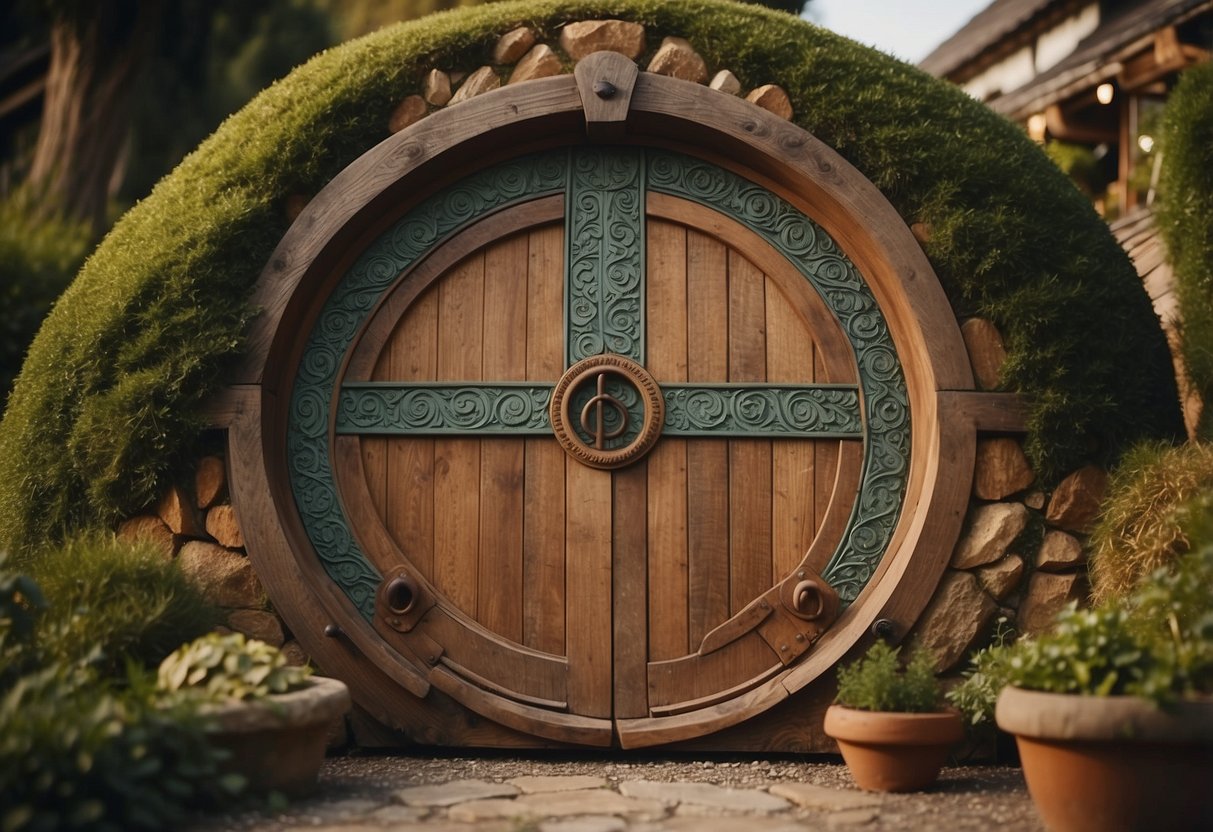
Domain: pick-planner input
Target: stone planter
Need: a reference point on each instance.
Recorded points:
(278, 743)
(1115, 763)
(893, 752)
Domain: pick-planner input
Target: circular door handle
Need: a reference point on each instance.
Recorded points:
(401, 595)
(808, 601)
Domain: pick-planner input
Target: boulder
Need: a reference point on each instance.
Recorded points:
(958, 615)
(1001, 578)
(589, 36)
(257, 624)
(437, 88)
(986, 351)
(180, 512)
(726, 82)
(409, 111)
(677, 59)
(148, 528)
(540, 62)
(773, 98)
(210, 480)
(221, 524)
(1001, 469)
(480, 81)
(513, 45)
(1059, 552)
(991, 529)
(1047, 595)
(225, 577)
(1075, 503)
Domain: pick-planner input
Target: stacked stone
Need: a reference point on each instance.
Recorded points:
(198, 527)
(1021, 555)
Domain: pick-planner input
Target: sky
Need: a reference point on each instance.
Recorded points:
(909, 29)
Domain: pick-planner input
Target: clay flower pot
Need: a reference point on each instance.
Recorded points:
(1113, 763)
(890, 751)
(278, 742)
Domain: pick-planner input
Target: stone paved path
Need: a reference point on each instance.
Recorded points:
(493, 793)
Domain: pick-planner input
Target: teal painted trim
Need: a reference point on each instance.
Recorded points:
(881, 379)
(604, 254)
(762, 410)
(434, 409)
(309, 450)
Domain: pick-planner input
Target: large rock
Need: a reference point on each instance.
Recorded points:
(210, 480)
(1047, 595)
(986, 351)
(258, 624)
(726, 82)
(222, 525)
(180, 513)
(1059, 552)
(437, 88)
(589, 36)
(958, 615)
(150, 529)
(1001, 469)
(480, 81)
(410, 111)
(1001, 578)
(540, 62)
(225, 577)
(991, 529)
(513, 45)
(772, 98)
(677, 59)
(1075, 502)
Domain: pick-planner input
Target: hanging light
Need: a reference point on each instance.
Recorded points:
(1104, 93)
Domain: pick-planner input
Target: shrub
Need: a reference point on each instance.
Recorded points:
(229, 667)
(117, 602)
(877, 682)
(1185, 219)
(1143, 520)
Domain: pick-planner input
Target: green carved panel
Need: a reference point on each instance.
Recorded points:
(436, 409)
(773, 411)
(604, 297)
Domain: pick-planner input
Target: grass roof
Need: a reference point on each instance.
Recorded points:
(108, 404)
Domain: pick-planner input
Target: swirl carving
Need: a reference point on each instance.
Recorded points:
(760, 410)
(436, 409)
(885, 397)
(605, 233)
(309, 457)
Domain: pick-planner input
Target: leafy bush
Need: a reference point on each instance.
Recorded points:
(877, 682)
(987, 676)
(1143, 521)
(37, 261)
(1185, 218)
(1158, 644)
(229, 667)
(111, 392)
(116, 602)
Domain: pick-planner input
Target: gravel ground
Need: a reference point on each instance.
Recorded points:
(354, 793)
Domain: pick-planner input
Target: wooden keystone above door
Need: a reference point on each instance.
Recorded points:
(613, 419)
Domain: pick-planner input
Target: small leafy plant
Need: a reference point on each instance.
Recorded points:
(877, 682)
(228, 666)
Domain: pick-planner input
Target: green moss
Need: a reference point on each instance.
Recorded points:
(108, 400)
(1185, 219)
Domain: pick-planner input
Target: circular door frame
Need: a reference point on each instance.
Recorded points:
(359, 203)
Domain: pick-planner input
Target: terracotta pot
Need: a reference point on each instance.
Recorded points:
(893, 752)
(278, 743)
(1113, 763)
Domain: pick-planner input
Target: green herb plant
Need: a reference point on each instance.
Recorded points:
(878, 682)
(227, 666)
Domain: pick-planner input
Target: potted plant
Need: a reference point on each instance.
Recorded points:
(889, 722)
(273, 719)
(1111, 710)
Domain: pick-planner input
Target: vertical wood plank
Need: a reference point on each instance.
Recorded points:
(666, 327)
(457, 461)
(825, 467)
(500, 575)
(630, 590)
(749, 459)
(707, 459)
(588, 495)
(793, 502)
(543, 542)
(410, 512)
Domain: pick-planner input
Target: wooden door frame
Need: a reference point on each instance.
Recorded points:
(646, 109)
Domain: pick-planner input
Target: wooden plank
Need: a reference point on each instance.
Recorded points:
(694, 677)
(543, 544)
(666, 327)
(790, 355)
(749, 459)
(630, 588)
(457, 461)
(588, 581)
(409, 514)
(825, 468)
(500, 576)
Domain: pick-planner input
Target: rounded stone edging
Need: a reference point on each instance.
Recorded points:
(321, 700)
(1068, 716)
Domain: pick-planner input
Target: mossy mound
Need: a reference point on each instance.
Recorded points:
(108, 402)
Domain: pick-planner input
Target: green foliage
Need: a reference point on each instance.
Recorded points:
(1158, 644)
(37, 261)
(877, 682)
(1143, 520)
(108, 404)
(82, 751)
(1079, 163)
(1185, 218)
(116, 602)
(229, 667)
(987, 675)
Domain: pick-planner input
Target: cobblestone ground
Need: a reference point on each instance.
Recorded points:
(436, 793)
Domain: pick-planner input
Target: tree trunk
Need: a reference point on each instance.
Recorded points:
(95, 57)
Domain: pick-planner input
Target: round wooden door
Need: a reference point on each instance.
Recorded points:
(597, 442)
